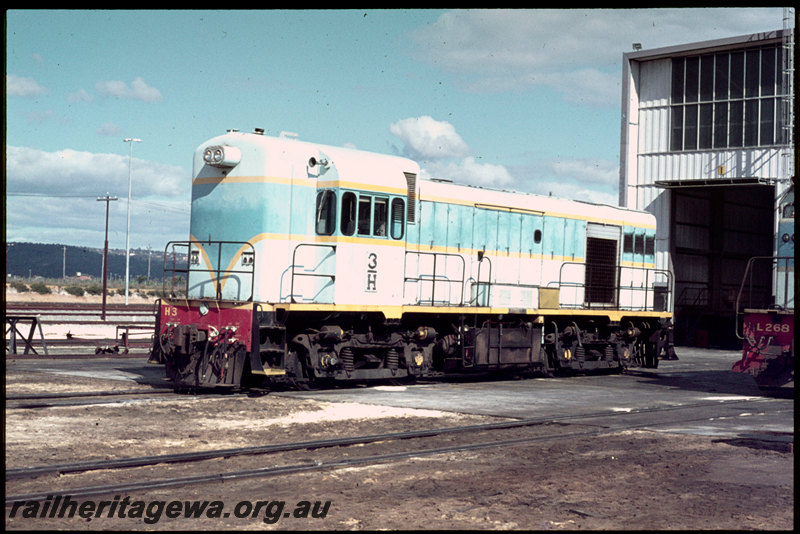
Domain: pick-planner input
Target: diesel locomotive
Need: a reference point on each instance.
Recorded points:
(310, 264)
(765, 307)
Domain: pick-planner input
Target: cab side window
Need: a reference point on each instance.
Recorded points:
(380, 216)
(364, 212)
(398, 218)
(348, 223)
(325, 222)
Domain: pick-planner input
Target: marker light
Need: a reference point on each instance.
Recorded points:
(222, 156)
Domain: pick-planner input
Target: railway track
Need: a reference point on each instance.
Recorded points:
(65, 311)
(81, 313)
(79, 306)
(61, 400)
(336, 453)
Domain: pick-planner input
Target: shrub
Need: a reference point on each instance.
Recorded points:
(20, 287)
(75, 291)
(94, 290)
(41, 288)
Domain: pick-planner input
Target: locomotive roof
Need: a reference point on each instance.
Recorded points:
(348, 166)
(289, 157)
(531, 202)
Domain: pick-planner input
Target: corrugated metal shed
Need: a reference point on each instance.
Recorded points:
(714, 206)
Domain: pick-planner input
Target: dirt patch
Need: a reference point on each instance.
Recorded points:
(628, 480)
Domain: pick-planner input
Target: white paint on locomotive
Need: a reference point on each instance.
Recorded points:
(315, 262)
(337, 226)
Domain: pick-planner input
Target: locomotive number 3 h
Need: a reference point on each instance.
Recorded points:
(372, 272)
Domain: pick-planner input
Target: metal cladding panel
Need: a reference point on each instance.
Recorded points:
(653, 130)
(764, 163)
(654, 83)
(646, 158)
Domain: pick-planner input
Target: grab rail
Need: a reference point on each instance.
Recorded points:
(649, 285)
(292, 267)
(217, 274)
(432, 278)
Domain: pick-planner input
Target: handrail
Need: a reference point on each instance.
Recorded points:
(218, 274)
(434, 276)
(293, 273)
(648, 286)
(481, 257)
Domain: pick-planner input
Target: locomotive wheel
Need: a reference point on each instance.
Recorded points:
(302, 377)
(650, 356)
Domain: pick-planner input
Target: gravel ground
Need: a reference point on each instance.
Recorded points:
(628, 480)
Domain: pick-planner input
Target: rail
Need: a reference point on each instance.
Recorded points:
(433, 277)
(294, 265)
(193, 262)
(655, 287)
(478, 284)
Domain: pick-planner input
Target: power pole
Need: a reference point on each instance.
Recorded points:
(64, 265)
(105, 199)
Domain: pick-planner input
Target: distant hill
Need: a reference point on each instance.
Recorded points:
(37, 259)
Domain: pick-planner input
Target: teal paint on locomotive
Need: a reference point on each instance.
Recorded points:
(319, 239)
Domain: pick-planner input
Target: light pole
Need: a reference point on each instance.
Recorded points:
(130, 140)
(105, 199)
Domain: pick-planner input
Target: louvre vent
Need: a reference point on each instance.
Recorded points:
(411, 180)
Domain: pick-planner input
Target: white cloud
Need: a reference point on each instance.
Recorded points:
(442, 153)
(426, 138)
(22, 86)
(573, 191)
(596, 172)
(138, 90)
(468, 171)
(75, 172)
(590, 180)
(575, 51)
(65, 185)
(586, 86)
(79, 96)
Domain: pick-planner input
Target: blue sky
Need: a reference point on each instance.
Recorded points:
(525, 100)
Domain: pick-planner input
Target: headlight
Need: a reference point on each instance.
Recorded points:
(222, 156)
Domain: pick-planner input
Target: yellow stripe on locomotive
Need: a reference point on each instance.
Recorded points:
(321, 239)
